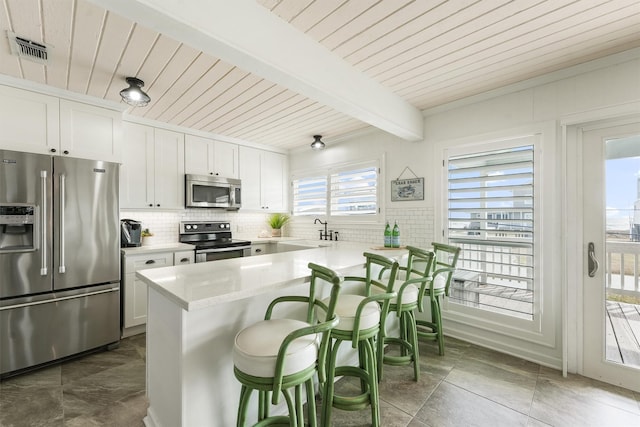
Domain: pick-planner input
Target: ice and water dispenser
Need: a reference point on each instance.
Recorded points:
(18, 228)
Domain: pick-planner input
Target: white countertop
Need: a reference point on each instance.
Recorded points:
(166, 247)
(206, 284)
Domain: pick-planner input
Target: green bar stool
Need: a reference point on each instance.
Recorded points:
(412, 278)
(275, 356)
(445, 259)
(361, 319)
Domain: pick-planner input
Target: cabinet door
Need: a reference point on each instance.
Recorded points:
(137, 170)
(135, 290)
(169, 169)
(225, 159)
(90, 132)
(184, 257)
(28, 121)
(198, 155)
(273, 181)
(250, 176)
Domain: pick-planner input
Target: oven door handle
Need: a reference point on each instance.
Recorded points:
(233, 248)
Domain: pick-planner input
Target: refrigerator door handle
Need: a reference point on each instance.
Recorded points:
(43, 224)
(48, 301)
(62, 269)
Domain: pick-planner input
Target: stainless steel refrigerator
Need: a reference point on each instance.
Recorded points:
(59, 258)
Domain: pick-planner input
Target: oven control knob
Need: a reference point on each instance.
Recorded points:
(195, 226)
(188, 227)
(223, 226)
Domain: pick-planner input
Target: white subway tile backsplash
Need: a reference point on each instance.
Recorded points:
(416, 225)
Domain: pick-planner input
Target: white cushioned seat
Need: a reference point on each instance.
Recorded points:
(409, 294)
(346, 307)
(256, 348)
(440, 282)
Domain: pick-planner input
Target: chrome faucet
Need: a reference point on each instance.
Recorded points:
(327, 235)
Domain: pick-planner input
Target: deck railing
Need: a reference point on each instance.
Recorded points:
(623, 268)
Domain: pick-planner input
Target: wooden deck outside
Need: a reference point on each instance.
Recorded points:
(622, 320)
(623, 333)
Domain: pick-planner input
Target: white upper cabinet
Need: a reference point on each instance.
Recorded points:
(137, 170)
(264, 180)
(169, 174)
(29, 121)
(152, 172)
(204, 156)
(37, 123)
(90, 132)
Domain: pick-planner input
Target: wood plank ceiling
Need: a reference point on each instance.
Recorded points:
(427, 52)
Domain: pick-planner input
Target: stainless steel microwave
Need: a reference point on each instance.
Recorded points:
(203, 191)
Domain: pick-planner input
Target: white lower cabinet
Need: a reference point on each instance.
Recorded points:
(134, 290)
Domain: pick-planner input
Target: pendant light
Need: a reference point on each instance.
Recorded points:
(317, 144)
(134, 95)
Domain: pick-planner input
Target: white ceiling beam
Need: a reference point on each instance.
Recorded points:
(247, 35)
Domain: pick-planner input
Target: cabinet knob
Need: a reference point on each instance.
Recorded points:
(53, 150)
(210, 173)
(150, 205)
(158, 205)
(150, 262)
(66, 151)
(258, 251)
(184, 260)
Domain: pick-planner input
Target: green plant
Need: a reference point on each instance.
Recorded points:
(278, 220)
(146, 233)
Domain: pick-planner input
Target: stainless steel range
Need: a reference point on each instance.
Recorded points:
(213, 240)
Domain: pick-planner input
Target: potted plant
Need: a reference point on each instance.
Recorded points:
(276, 221)
(146, 235)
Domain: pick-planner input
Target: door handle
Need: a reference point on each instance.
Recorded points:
(43, 225)
(592, 262)
(63, 183)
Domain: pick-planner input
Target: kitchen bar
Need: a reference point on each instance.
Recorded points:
(194, 312)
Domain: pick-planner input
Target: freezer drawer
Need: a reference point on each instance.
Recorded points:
(39, 332)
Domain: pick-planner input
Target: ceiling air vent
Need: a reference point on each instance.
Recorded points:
(28, 49)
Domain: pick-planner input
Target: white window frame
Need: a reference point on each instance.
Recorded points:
(469, 322)
(327, 172)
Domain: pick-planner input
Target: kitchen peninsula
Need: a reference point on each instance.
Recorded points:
(194, 313)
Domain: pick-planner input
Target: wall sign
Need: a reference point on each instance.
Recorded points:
(407, 189)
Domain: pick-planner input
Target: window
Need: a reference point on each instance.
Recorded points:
(346, 191)
(310, 196)
(491, 217)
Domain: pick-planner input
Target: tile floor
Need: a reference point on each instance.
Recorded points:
(469, 386)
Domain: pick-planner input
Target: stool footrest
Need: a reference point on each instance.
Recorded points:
(357, 402)
(398, 360)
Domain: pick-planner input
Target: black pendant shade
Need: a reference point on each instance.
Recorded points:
(134, 95)
(317, 144)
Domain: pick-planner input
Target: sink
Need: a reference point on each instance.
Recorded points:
(297, 245)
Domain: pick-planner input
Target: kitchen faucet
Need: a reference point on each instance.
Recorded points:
(327, 235)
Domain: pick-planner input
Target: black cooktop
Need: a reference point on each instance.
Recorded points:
(209, 235)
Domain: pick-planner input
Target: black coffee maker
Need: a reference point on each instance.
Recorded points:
(130, 233)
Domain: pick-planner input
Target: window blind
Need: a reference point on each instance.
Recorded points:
(354, 192)
(310, 196)
(491, 217)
